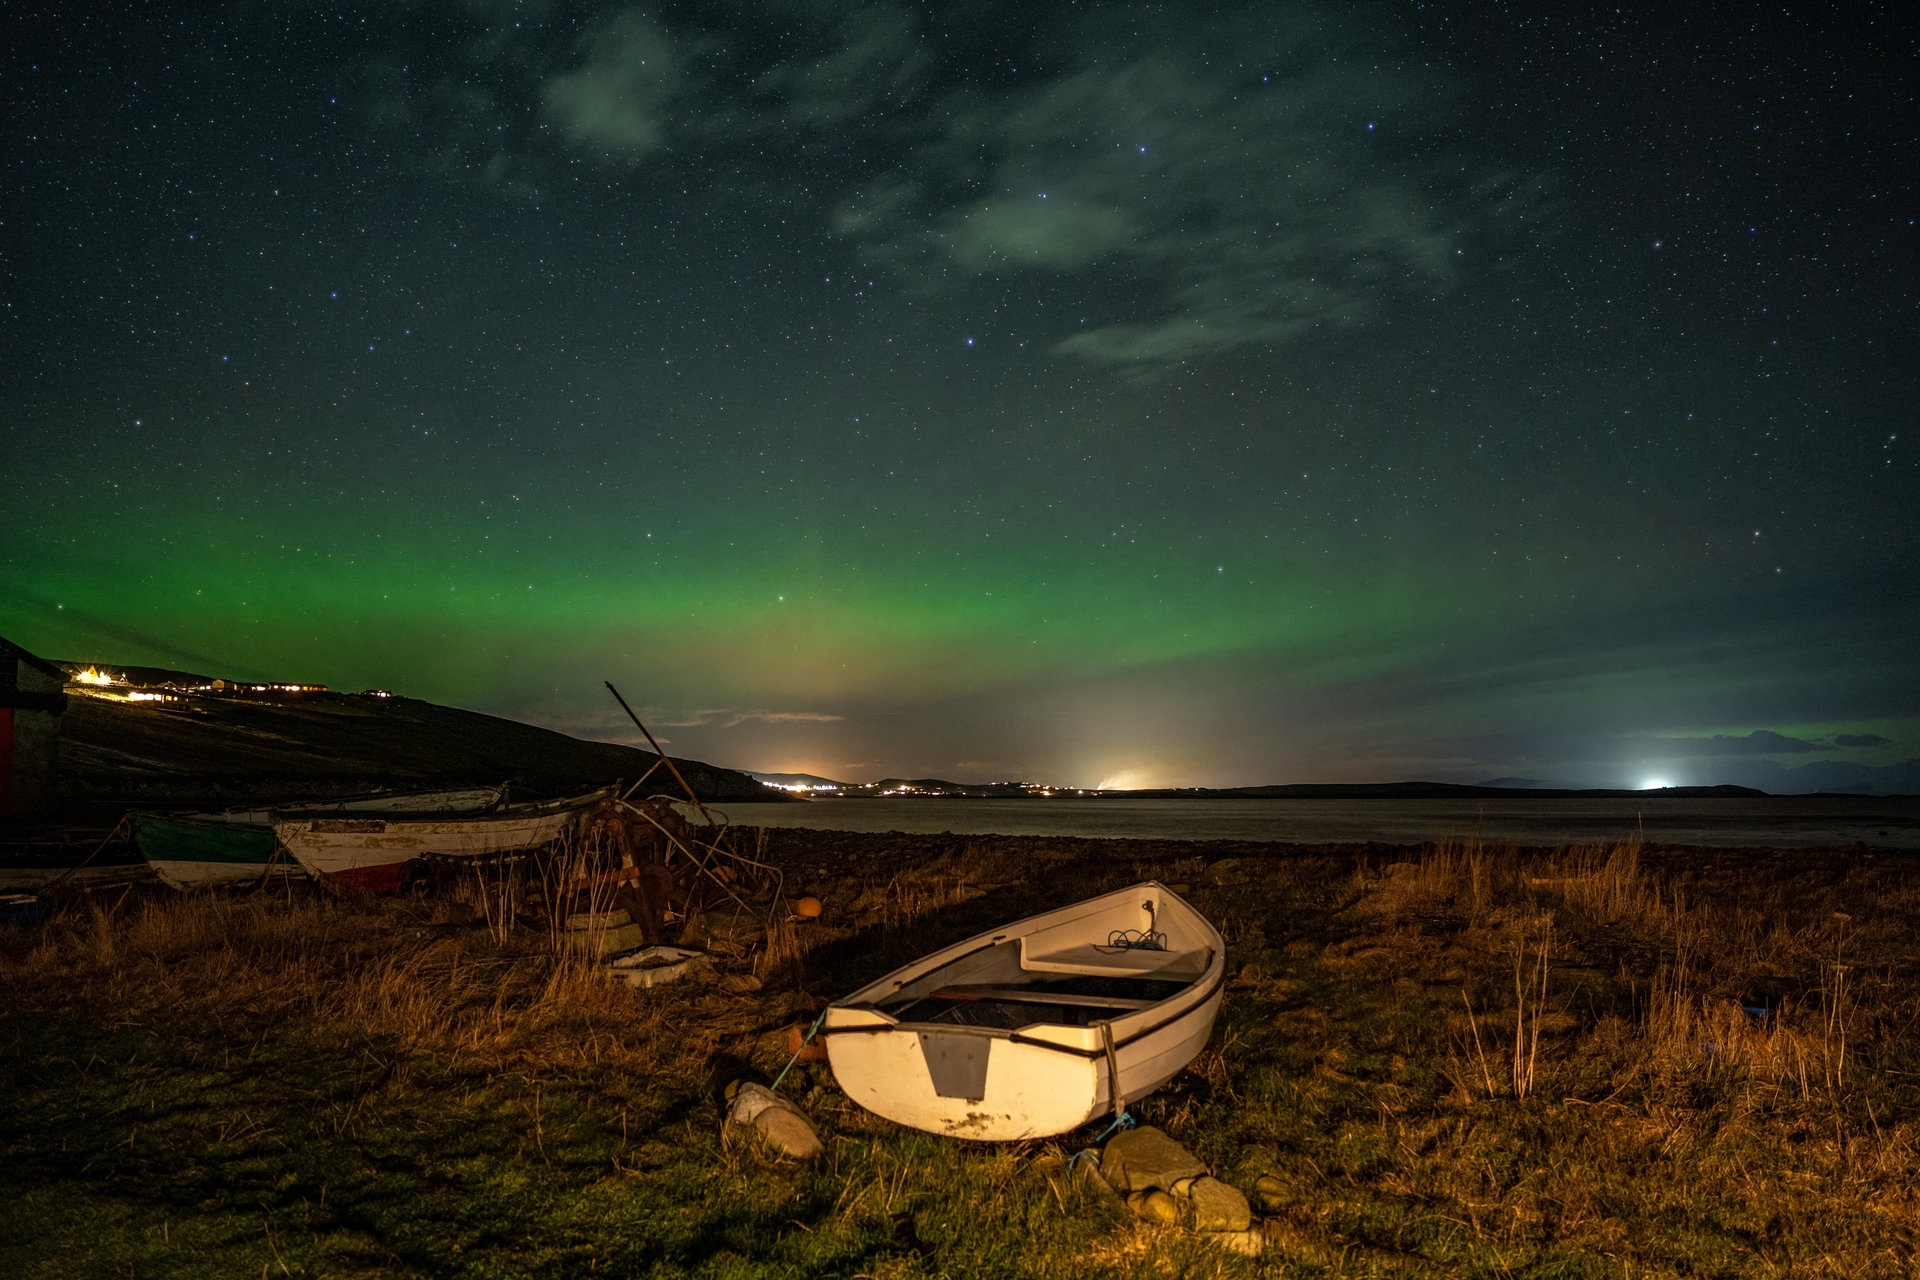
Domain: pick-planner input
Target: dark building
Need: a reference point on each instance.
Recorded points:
(32, 699)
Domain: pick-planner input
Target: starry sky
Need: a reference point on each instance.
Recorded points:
(1125, 395)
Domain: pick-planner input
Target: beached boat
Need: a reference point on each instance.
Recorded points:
(1036, 1028)
(234, 846)
(365, 854)
(194, 851)
(458, 800)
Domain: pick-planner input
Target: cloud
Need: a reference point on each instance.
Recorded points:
(729, 719)
(1843, 776)
(1238, 185)
(1240, 180)
(1761, 742)
(616, 100)
(1861, 740)
(872, 62)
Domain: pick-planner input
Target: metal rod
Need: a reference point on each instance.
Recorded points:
(660, 751)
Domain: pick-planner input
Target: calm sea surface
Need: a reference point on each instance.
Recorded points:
(1780, 821)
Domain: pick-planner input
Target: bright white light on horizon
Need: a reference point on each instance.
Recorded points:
(1655, 784)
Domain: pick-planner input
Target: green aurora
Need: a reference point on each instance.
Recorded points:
(1320, 451)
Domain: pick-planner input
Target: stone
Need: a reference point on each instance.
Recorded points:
(1086, 1168)
(774, 1121)
(1246, 1243)
(1218, 1207)
(1270, 1192)
(598, 919)
(606, 942)
(1155, 1206)
(1144, 1158)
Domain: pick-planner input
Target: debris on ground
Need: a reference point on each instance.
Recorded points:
(658, 965)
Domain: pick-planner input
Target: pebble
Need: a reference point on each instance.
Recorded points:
(1155, 1206)
(1270, 1192)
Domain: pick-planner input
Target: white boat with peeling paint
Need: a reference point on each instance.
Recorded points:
(366, 854)
(237, 846)
(1036, 1028)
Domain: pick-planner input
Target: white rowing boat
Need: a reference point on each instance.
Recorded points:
(1036, 1028)
(366, 854)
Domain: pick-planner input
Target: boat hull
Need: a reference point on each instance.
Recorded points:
(990, 1084)
(366, 855)
(191, 854)
(1032, 1090)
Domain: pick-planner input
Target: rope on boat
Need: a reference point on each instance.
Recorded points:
(1147, 939)
(1114, 1095)
(805, 1040)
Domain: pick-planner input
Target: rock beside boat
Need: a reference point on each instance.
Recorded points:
(1155, 1206)
(1167, 1184)
(1249, 1243)
(1145, 1158)
(1218, 1207)
(771, 1119)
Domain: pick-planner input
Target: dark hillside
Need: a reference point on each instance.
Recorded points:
(224, 750)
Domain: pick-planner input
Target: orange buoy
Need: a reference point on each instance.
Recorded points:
(807, 908)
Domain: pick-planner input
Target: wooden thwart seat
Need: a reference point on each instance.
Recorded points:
(1028, 995)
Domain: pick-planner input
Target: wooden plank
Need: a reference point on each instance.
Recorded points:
(1027, 995)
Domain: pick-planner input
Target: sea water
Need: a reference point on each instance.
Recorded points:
(1774, 821)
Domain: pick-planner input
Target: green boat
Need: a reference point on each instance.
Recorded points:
(192, 853)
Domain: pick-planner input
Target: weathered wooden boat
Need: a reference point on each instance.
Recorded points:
(1036, 1028)
(233, 846)
(194, 851)
(365, 854)
(457, 800)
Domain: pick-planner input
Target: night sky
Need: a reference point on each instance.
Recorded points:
(1107, 395)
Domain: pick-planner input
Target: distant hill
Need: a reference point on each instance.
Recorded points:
(1433, 791)
(216, 750)
(798, 781)
(1499, 788)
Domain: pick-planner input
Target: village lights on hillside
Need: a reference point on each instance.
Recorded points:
(93, 676)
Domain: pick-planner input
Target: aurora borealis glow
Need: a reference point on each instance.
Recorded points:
(1126, 395)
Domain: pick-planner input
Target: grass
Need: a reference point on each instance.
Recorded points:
(1454, 1060)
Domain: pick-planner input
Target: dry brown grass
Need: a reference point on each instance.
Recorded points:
(1597, 1061)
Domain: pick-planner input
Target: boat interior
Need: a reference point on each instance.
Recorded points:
(1015, 984)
